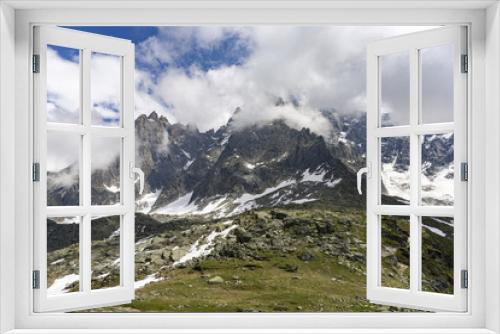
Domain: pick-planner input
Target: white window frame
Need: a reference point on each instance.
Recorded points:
(411, 44)
(86, 43)
(18, 17)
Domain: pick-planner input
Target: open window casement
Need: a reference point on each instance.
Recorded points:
(416, 161)
(84, 129)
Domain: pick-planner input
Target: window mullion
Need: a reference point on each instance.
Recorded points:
(85, 245)
(415, 251)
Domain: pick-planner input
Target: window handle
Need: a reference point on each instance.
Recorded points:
(137, 171)
(364, 170)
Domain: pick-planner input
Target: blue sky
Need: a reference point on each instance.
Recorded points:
(228, 50)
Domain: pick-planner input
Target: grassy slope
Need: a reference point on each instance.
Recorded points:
(267, 272)
(320, 285)
(273, 280)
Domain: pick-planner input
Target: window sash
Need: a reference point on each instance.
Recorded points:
(414, 297)
(86, 297)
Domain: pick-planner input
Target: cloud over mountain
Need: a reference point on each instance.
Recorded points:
(315, 67)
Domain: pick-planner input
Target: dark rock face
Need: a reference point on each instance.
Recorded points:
(61, 235)
(437, 153)
(178, 159)
(259, 157)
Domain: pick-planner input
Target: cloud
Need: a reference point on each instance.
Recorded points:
(318, 67)
(63, 105)
(437, 84)
(63, 87)
(294, 116)
(169, 46)
(104, 152)
(145, 99)
(395, 89)
(63, 150)
(105, 89)
(205, 99)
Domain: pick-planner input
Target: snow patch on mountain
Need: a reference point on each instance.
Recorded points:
(184, 206)
(61, 260)
(319, 175)
(213, 206)
(332, 184)
(186, 154)
(204, 246)
(249, 165)
(443, 221)
(60, 285)
(180, 206)
(303, 200)
(435, 230)
(112, 188)
(252, 197)
(225, 140)
(67, 220)
(438, 188)
(114, 234)
(144, 203)
(316, 176)
(396, 181)
(148, 279)
(188, 163)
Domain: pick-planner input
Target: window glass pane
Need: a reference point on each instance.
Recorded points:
(437, 177)
(395, 170)
(63, 255)
(437, 254)
(437, 84)
(105, 252)
(63, 168)
(395, 251)
(394, 89)
(105, 89)
(63, 84)
(105, 162)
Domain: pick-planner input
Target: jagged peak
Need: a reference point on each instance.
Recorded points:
(153, 115)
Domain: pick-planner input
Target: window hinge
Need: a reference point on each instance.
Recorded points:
(464, 279)
(36, 63)
(36, 279)
(464, 171)
(36, 172)
(465, 63)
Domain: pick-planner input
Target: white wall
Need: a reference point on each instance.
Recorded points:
(6, 166)
(492, 188)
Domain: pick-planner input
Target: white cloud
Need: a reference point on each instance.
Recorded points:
(63, 88)
(63, 92)
(104, 151)
(205, 99)
(320, 67)
(105, 89)
(296, 117)
(62, 150)
(145, 100)
(171, 43)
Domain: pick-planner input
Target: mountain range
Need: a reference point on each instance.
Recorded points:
(237, 206)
